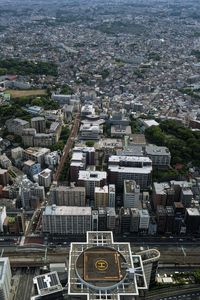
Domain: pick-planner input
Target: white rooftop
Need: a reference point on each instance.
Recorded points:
(150, 123)
(131, 170)
(92, 175)
(67, 210)
(101, 190)
(193, 211)
(116, 158)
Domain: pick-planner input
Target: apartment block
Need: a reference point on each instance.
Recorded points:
(66, 220)
(67, 195)
(90, 180)
(122, 168)
(160, 156)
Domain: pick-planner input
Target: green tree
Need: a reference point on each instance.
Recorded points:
(90, 143)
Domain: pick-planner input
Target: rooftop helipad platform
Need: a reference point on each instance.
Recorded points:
(101, 264)
(103, 269)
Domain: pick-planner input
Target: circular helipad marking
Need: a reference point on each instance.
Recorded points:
(101, 265)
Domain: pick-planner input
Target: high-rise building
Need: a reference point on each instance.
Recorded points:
(90, 180)
(135, 220)
(16, 126)
(5, 162)
(5, 278)
(186, 196)
(31, 168)
(52, 159)
(3, 216)
(170, 219)
(111, 195)
(131, 194)
(102, 218)
(144, 220)
(192, 220)
(16, 153)
(89, 154)
(122, 168)
(179, 214)
(31, 194)
(4, 178)
(39, 123)
(160, 193)
(101, 196)
(161, 218)
(95, 220)
(45, 178)
(66, 220)
(111, 218)
(67, 195)
(78, 162)
(125, 218)
(160, 156)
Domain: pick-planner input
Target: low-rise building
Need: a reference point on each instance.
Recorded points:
(90, 132)
(119, 131)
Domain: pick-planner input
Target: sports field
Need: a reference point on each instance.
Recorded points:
(21, 93)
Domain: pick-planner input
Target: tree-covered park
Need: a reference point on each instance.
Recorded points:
(183, 143)
(19, 67)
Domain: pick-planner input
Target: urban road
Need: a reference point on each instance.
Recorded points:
(68, 146)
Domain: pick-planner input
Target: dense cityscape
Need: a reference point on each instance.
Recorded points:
(100, 149)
